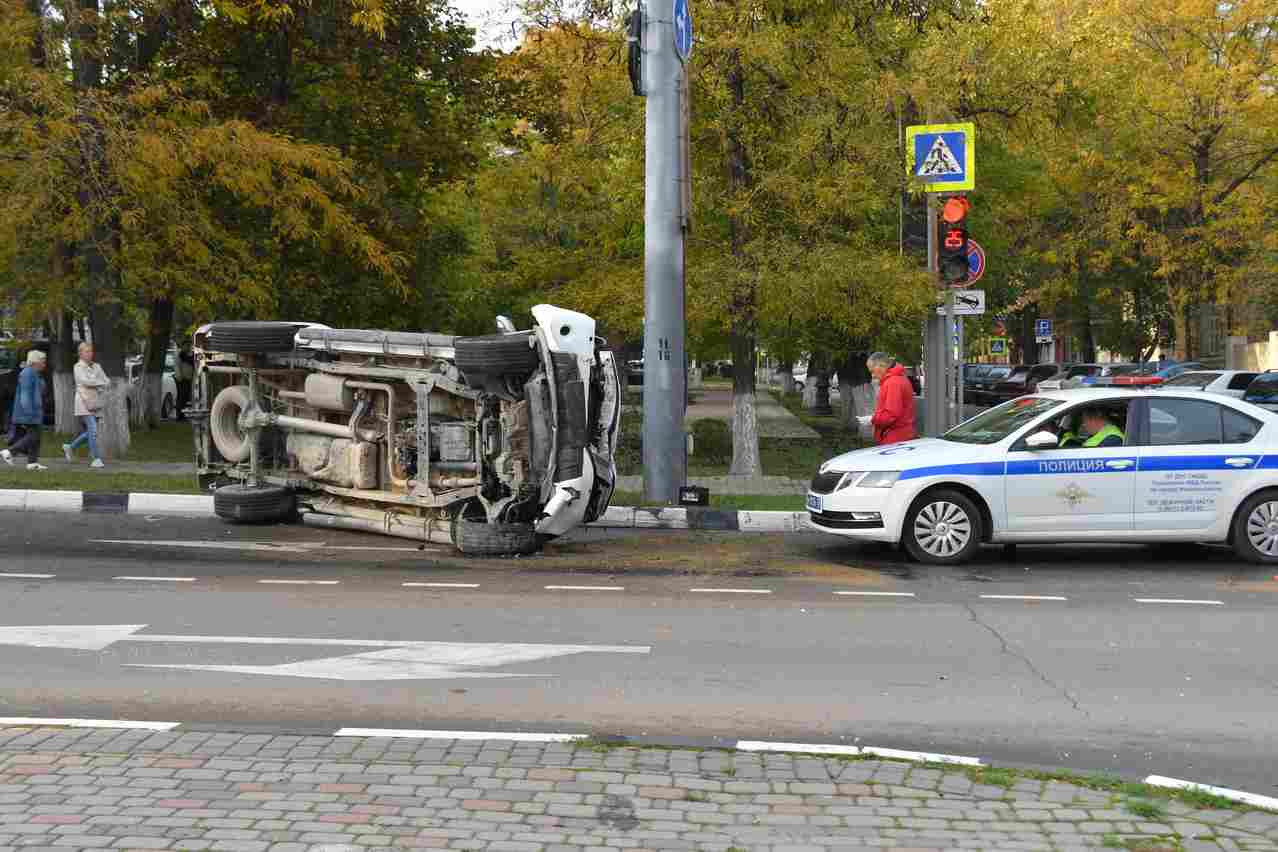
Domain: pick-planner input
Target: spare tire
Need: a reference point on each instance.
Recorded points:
(252, 337)
(224, 423)
(497, 354)
(249, 504)
(476, 538)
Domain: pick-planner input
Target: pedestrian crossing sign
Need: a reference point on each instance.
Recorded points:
(941, 157)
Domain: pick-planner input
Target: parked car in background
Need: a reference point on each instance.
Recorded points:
(1068, 373)
(168, 385)
(977, 391)
(1154, 375)
(1263, 390)
(1227, 382)
(1022, 380)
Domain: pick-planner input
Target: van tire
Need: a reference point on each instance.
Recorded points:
(254, 504)
(251, 338)
(477, 538)
(497, 355)
(233, 444)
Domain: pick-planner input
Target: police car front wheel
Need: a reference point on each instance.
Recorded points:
(943, 528)
(1256, 529)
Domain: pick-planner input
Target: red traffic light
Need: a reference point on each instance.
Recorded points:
(955, 209)
(955, 239)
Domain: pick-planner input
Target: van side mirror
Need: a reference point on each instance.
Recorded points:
(1042, 441)
(505, 325)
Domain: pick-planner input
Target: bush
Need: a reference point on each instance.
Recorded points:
(629, 454)
(711, 441)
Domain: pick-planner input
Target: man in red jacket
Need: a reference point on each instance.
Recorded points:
(893, 418)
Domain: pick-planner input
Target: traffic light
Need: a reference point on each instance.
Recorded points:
(953, 248)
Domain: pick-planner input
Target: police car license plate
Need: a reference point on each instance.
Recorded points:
(814, 503)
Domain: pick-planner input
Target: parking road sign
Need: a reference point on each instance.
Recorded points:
(1043, 331)
(942, 157)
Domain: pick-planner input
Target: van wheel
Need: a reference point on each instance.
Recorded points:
(477, 538)
(942, 528)
(497, 355)
(252, 338)
(254, 504)
(1256, 529)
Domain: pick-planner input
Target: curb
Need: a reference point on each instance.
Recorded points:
(200, 506)
(729, 744)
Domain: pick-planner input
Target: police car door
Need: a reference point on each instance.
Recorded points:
(1197, 459)
(1075, 489)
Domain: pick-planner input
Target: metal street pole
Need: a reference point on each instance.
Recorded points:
(936, 342)
(665, 449)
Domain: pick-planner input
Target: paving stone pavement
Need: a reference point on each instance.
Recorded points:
(64, 788)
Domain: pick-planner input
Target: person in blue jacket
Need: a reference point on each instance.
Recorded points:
(28, 412)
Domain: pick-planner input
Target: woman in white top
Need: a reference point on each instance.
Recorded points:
(90, 379)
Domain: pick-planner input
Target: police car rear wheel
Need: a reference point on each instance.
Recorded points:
(1256, 530)
(943, 528)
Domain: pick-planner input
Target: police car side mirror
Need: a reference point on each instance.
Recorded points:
(1041, 441)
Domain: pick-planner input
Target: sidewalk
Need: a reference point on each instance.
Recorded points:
(774, 420)
(63, 788)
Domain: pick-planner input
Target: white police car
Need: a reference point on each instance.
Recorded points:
(1189, 468)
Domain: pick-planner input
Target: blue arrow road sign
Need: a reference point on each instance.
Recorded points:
(1043, 328)
(683, 29)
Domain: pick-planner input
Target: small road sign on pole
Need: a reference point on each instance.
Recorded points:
(941, 157)
(1043, 331)
(683, 29)
(967, 303)
(975, 261)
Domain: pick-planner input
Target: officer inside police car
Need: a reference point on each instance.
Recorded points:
(1101, 429)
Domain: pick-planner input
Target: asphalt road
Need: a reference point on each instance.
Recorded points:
(871, 650)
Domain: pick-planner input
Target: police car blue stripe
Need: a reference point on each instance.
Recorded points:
(970, 469)
(1268, 462)
(1152, 463)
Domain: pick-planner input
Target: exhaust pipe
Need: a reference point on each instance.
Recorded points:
(409, 528)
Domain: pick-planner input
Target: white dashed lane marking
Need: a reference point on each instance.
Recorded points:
(586, 588)
(440, 585)
(1024, 597)
(879, 594)
(734, 591)
(28, 576)
(157, 579)
(1178, 601)
(300, 582)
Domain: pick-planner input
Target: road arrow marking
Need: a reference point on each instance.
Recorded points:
(77, 637)
(400, 659)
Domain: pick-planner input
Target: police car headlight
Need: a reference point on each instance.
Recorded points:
(848, 478)
(879, 479)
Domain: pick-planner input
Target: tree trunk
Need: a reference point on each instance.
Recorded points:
(821, 402)
(62, 358)
(113, 423)
(159, 333)
(745, 424)
(856, 388)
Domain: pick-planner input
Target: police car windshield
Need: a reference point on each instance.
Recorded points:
(990, 427)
